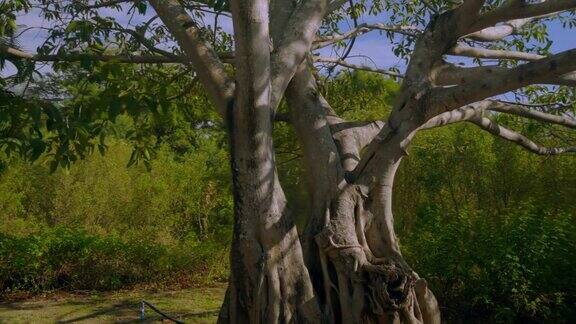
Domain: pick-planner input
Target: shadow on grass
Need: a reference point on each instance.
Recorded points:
(120, 309)
(129, 312)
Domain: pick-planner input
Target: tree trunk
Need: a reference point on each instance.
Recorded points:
(351, 250)
(350, 269)
(269, 281)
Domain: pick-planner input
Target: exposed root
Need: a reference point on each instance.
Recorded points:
(390, 290)
(369, 288)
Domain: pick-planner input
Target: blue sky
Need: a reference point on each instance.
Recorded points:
(373, 45)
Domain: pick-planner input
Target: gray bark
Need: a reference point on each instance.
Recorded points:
(347, 267)
(352, 252)
(269, 281)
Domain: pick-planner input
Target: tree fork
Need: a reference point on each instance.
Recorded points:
(353, 283)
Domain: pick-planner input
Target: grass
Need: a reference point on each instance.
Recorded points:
(192, 305)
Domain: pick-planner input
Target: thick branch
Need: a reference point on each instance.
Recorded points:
(457, 115)
(499, 32)
(449, 74)
(476, 110)
(501, 81)
(521, 10)
(210, 69)
(290, 51)
(514, 137)
(359, 134)
(352, 137)
(431, 46)
(521, 111)
(467, 51)
(470, 9)
(474, 113)
(280, 12)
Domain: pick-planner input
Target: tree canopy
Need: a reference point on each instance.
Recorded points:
(80, 36)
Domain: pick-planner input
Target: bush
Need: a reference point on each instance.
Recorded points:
(59, 258)
(183, 197)
(518, 267)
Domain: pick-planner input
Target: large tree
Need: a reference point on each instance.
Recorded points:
(346, 266)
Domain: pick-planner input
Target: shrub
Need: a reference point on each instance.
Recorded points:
(59, 258)
(515, 267)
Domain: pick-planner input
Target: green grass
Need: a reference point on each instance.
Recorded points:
(193, 305)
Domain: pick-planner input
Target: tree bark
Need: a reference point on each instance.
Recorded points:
(352, 253)
(372, 281)
(269, 281)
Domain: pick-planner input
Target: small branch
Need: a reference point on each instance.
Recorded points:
(519, 110)
(335, 5)
(356, 67)
(324, 41)
(429, 6)
(105, 4)
(547, 106)
(350, 45)
(144, 41)
(77, 57)
(514, 137)
(14, 53)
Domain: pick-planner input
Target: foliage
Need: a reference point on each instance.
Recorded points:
(103, 226)
(60, 258)
(182, 196)
(372, 99)
(70, 113)
(491, 227)
(516, 267)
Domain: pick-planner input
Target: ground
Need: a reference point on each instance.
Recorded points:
(192, 305)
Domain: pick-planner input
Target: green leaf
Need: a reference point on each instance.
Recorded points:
(141, 7)
(114, 108)
(102, 149)
(53, 166)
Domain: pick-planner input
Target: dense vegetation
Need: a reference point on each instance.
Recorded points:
(102, 225)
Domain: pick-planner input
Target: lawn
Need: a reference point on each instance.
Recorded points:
(192, 305)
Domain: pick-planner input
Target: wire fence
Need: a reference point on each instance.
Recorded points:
(143, 305)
